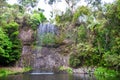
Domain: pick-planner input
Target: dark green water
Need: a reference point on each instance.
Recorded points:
(57, 76)
(47, 77)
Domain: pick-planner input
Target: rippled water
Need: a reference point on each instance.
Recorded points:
(48, 76)
(54, 76)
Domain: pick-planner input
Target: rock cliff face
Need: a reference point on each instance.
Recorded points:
(50, 58)
(44, 57)
(26, 37)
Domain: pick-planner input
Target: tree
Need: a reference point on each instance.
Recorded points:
(82, 10)
(10, 43)
(3, 5)
(94, 3)
(71, 3)
(37, 18)
(6, 56)
(27, 3)
(113, 38)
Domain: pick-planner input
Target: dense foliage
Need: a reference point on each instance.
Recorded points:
(95, 31)
(36, 18)
(13, 18)
(5, 48)
(92, 29)
(10, 46)
(106, 72)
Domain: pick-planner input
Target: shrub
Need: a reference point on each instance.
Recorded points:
(47, 39)
(67, 69)
(100, 71)
(10, 46)
(74, 61)
(5, 49)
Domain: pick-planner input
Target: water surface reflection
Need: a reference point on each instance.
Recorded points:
(29, 76)
(48, 77)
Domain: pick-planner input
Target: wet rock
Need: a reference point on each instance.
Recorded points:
(84, 70)
(50, 58)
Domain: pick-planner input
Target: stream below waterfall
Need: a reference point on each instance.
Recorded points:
(36, 75)
(48, 76)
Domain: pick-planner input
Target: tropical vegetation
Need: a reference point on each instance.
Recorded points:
(94, 30)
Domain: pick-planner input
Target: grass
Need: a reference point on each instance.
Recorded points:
(67, 69)
(4, 71)
(106, 72)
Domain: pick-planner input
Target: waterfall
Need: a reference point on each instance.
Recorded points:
(47, 57)
(45, 37)
(46, 34)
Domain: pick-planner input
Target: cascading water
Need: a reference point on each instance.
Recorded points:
(46, 34)
(45, 37)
